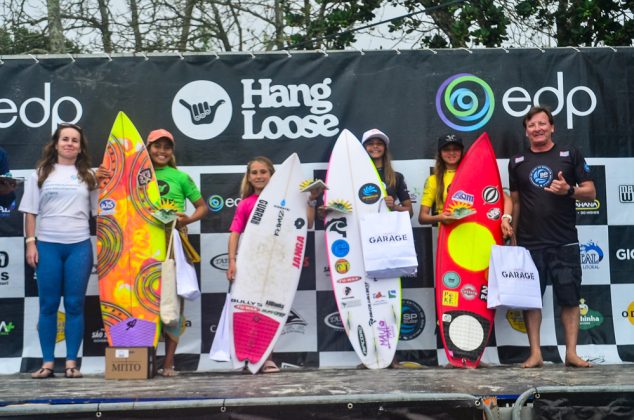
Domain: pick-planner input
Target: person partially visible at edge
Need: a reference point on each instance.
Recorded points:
(545, 182)
(175, 187)
(258, 174)
(450, 153)
(60, 195)
(376, 144)
(7, 194)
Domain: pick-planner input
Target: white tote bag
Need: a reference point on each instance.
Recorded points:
(170, 304)
(186, 279)
(387, 241)
(221, 346)
(513, 279)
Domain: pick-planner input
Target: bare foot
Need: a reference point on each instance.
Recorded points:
(269, 367)
(576, 361)
(533, 362)
(168, 372)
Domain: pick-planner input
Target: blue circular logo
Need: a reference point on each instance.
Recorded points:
(451, 279)
(465, 102)
(215, 203)
(541, 176)
(412, 320)
(369, 193)
(340, 248)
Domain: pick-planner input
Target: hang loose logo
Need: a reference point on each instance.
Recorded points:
(202, 110)
(202, 113)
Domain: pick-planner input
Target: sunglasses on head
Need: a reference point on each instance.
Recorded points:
(70, 125)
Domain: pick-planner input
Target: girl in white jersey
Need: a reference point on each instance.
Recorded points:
(58, 200)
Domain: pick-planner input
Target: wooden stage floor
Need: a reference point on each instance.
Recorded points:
(20, 392)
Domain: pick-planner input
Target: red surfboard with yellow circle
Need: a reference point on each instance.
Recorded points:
(462, 260)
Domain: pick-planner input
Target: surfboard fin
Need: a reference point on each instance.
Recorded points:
(376, 350)
(395, 315)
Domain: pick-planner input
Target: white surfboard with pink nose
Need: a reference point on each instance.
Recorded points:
(268, 266)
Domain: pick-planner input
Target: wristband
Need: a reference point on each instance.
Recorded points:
(508, 217)
(571, 191)
(29, 239)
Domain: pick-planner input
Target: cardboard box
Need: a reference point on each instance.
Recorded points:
(130, 362)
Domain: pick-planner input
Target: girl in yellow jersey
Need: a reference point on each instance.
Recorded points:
(450, 151)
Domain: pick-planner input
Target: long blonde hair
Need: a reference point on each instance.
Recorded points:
(388, 172)
(47, 162)
(246, 189)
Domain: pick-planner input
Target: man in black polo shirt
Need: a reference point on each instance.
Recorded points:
(545, 181)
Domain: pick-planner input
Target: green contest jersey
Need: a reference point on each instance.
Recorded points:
(175, 186)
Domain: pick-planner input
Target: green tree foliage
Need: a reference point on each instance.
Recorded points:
(454, 24)
(21, 40)
(583, 22)
(326, 22)
(24, 41)
(96, 26)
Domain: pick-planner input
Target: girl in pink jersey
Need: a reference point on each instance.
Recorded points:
(257, 176)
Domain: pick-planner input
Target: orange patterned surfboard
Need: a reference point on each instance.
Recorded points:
(130, 241)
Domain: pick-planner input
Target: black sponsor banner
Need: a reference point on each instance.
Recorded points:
(595, 322)
(95, 339)
(30, 280)
(227, 108)
(594, 212)
(331, 335)
(11, 220)
(221, 192)
(621, 239)
(213, 304)
(425, 275)
(626, 353)
(308, 279)
(11, 327)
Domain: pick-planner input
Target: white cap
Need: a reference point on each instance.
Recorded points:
(375, 133)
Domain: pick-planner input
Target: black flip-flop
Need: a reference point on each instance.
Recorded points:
(74, 373)
(43, 373)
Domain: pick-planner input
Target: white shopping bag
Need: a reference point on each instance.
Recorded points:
(387, 241)
(221, 346)
(186, 280)
(513, 279)
(170, 304)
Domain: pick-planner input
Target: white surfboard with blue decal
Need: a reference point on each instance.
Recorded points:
(370, 309)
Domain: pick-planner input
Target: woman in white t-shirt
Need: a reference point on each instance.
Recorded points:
(60, 195)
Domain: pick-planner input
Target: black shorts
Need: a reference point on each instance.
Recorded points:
(561, 267)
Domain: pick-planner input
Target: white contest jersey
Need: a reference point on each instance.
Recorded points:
(63, 205)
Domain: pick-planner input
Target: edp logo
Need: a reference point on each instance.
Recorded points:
(43, 108)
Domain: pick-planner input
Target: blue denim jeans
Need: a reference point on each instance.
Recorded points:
(62, 270)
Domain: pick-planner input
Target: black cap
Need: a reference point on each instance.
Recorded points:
(448, 139)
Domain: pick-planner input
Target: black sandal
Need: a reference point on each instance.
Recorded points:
(74, 373)
(43, 373)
